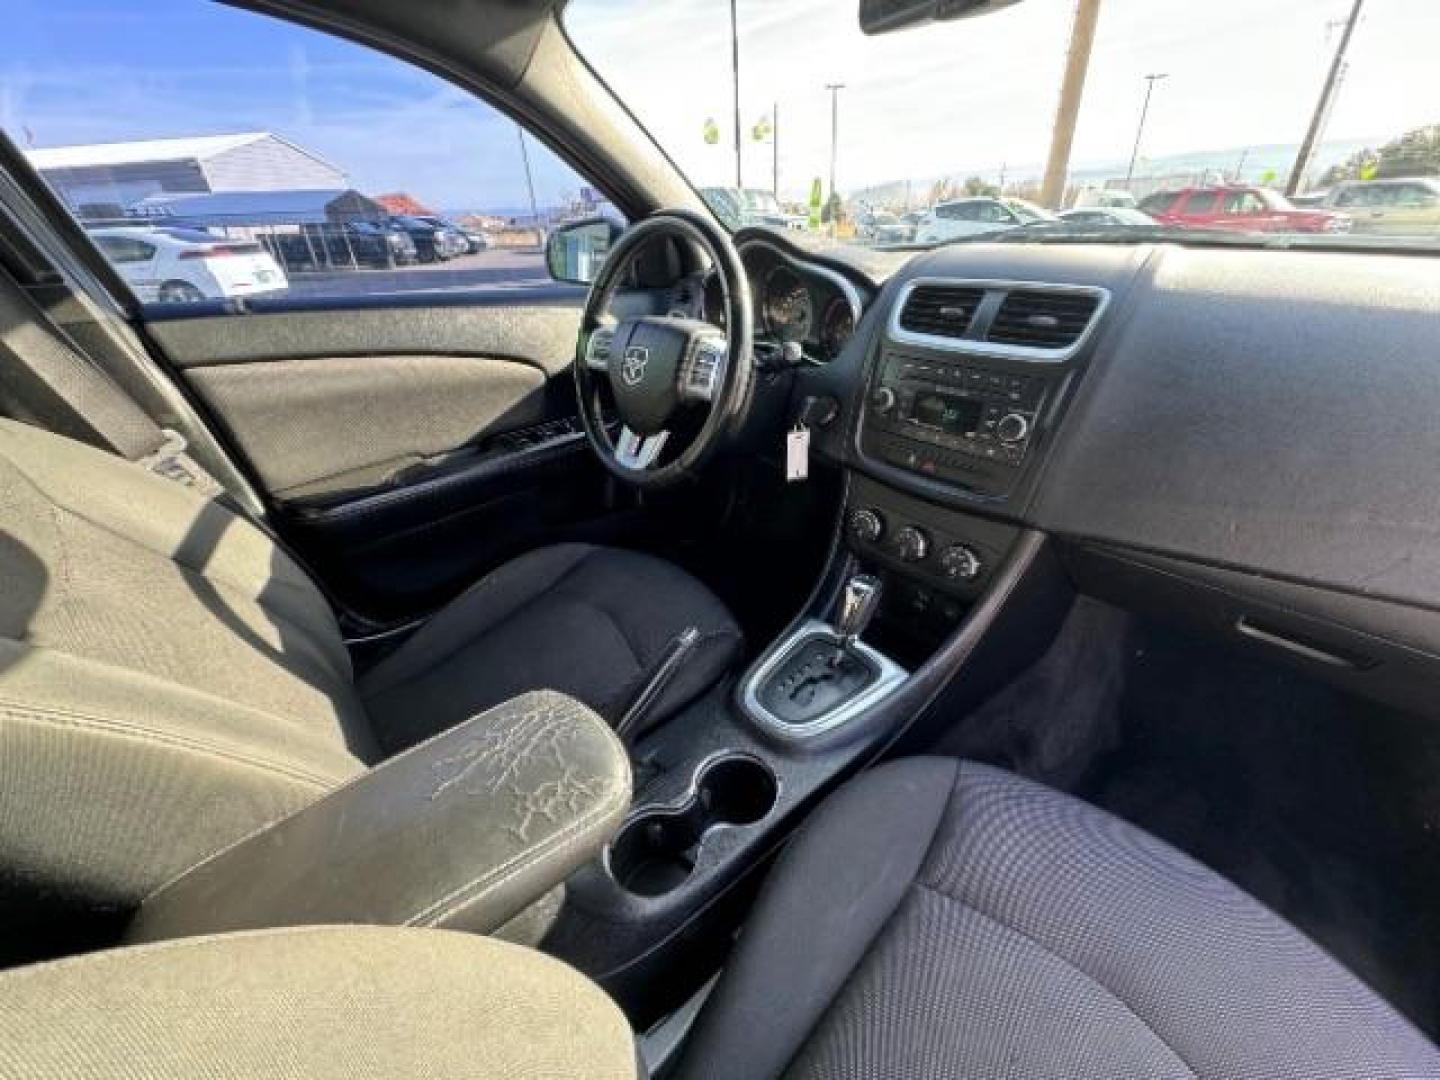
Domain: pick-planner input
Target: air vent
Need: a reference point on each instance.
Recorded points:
(941, 310)
(1044, 319)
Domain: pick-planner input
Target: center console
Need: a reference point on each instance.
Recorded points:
(933, 597)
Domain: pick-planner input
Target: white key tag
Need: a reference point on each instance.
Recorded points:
(797, 454)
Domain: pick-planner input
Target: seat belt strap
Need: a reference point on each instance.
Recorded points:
(60, 388)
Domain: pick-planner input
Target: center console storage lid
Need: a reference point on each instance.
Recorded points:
(463, 831)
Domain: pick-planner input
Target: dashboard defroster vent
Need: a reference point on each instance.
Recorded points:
(1042, 319)
(941, 310)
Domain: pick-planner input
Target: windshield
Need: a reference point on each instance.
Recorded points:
(1209, 118)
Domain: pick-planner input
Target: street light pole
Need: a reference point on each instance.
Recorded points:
(834, 89)
(735, 81)
(529, 181)
(1150, 81)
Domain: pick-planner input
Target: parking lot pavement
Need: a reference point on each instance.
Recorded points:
(493, 269)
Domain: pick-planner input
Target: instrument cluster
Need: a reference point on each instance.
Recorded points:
(794, 301)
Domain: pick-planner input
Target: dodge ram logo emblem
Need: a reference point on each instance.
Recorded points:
(632, 367)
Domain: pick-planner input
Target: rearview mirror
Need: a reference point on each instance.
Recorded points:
(883, 16)
(574, 252)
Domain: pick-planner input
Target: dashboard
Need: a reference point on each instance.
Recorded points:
(1242, 439)
(796, 300)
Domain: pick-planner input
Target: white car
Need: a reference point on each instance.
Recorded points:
(975, 216)
(174, 265)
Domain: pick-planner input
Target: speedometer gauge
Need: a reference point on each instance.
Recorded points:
(789, 311)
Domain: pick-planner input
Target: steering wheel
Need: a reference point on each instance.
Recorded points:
(660, 371)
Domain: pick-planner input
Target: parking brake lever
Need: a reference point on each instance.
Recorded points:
(857, 607)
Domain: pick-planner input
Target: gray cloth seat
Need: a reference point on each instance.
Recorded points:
(590, 622)
(170, 680)
(934, 919)
(945, 919)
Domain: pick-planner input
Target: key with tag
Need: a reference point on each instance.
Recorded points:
(797, 454)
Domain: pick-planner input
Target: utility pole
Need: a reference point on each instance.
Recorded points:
(1150, 81)
(1072, 89)
(1322, 107)
(834, 89)
(735, 81)
(775, 150)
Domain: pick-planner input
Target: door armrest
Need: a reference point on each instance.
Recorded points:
(463, 831)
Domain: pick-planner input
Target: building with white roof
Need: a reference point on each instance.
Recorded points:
(102, 179)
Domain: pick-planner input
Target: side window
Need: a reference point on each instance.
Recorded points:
(1244, 202)
(1354, 196)
(994, 213)
(1416, 195)
(343, 171)
(953, 212)
(123, 249)
(1201, 202)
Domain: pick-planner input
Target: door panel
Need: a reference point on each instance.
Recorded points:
(410, 448)
(332, 426)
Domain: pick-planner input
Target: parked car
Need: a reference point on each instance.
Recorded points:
(883, 227)
(1115, 217)
(344, 246)
(1239, 208)
(1093, 196)
(475, 240)
(435, 241)
(1399, 207)
(742, 207)
(171, 264)
(977, 215)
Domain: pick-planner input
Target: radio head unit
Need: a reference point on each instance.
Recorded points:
(954, 419)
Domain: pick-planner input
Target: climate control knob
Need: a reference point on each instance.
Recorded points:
(867, 526)
(961, 562)
(1012, 428)
(911, 544)
(883, 400)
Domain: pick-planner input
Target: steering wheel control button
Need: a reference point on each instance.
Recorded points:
(911, 544)
(883, 400)
(961, 562)
(867, 526)
(597, 349)
(701, 371)
(1012, 428)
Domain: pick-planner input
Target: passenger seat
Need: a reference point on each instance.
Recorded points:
(934, 918)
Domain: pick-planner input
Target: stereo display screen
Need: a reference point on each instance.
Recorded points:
(949, 414)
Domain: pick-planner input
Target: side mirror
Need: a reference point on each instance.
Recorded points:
(574, 252)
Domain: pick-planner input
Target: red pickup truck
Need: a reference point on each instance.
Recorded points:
(1240, 209)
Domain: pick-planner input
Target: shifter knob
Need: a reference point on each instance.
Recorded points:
(857, 606)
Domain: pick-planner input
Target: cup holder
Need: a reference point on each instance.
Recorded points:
(656, 851)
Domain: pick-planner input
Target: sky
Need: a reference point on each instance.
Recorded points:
(971, 96)
(80, 71)
(947, 99)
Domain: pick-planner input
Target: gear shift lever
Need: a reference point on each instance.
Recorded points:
(857, 606)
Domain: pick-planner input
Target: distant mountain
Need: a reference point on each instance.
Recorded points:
(1248, 162)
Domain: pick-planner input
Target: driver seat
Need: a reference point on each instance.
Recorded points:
(591, 622)
(170, 680)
